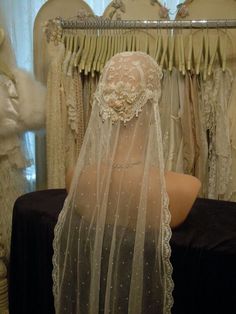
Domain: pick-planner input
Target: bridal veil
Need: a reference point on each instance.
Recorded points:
(111, 245)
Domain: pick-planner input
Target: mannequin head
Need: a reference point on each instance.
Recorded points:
(127, 95)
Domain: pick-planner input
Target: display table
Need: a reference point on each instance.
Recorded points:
(203, 256)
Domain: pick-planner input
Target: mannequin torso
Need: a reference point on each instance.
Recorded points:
(182, 190)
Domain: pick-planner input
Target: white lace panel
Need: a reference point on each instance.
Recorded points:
(128, 81)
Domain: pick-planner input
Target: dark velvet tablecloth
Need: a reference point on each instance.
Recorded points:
(203, 256)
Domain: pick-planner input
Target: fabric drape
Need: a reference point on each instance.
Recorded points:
(111, 246)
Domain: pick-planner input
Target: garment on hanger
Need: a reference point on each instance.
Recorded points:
(231, 190)
(111, 245)
(170, 112)
(89, 87)
(200, 160)
(215, 93)
(65, 124)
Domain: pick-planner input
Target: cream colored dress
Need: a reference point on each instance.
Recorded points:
(21, 109)
(170, 114)
(215, 96)
(12, 159)
(64, 119)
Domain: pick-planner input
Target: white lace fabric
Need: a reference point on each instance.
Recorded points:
(111, 245)
(12, 159)
(126, 86)
(215, 97)
(65, 120)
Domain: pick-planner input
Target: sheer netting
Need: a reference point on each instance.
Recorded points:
(111, 245)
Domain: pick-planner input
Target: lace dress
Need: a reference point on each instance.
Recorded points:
(64, 119)
(215, 93)
(231, 189)
(12, 160)
(170, 111)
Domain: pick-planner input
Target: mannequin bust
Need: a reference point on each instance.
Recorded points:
(131, 166)
(182, 191)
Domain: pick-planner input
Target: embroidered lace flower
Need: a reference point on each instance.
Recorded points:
(121, 96)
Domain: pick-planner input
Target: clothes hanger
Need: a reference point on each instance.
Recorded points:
(133, 43)
(171, 48)
(213, 47)
(88, 65)
(223, 48)
(137, 42)
(97, 51)
(144, 43)
(182, 52)
(103, 47)
(85, 53)
(164, 49)
(68, 52)
(72, 59)
(66, 42)
(104, 53)
(153, 42)
(166, 61)
(119, 42)
(89, 61)
(152, 45)
(81, 43)
(178, 51)
(206, 53)
(123, 42)
(224, 41)
(197, 51)
(190, 50)
(114, 44)
(100, 51)
(158, 46)
(129, 40)
(109, 48)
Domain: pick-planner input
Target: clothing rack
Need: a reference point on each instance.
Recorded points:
(100, 23)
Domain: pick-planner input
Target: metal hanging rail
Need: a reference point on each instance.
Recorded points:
(99, 23)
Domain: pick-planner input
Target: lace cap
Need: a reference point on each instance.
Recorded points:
(128, 81)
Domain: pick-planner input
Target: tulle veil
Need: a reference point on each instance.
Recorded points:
(111, 245)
